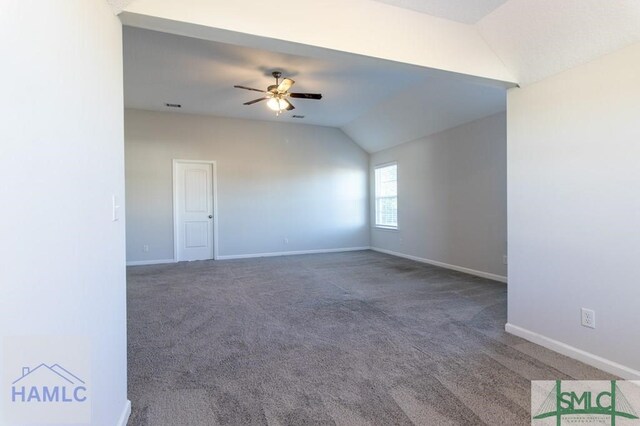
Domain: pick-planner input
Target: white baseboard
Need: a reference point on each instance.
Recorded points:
(126, 412)
(290, 253)
(470, 271)
(150, 262)
(575, 353)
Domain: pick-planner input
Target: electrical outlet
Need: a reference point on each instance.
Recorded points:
(286, 241)
(588, 318)
(145, 248)
(505, 260)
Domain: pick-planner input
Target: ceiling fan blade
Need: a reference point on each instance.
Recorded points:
(306, 95)
(285, 85)
(249, 88)
(289, 105)
(255, 101)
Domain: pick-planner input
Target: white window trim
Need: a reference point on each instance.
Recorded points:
(375, 215)
(385, 228)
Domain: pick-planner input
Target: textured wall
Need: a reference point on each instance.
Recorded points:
(307, 184)
(118, 6)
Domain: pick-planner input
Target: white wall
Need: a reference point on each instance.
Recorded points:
(451, 197)
(275, 181)
(574, 209)
(62, 267)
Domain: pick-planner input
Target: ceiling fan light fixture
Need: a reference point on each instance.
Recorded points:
(277, 95)
(277, 104)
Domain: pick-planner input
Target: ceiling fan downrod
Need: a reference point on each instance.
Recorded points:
(276, 75)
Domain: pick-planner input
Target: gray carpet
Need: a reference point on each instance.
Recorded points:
(357, 338)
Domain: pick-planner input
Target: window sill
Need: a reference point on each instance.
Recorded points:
(385, 228)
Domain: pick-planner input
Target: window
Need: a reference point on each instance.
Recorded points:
(386, 188)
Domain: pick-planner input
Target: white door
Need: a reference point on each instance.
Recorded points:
(193, 207)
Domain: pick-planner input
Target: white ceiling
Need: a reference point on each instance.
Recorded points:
(378, 103)
(164, 68)
(539, 38)
(118, 5)
(532, 38)
(536, 39)
(434, 105)
(465, 11)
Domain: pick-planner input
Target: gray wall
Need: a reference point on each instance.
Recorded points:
(307, 184)
(451, 197)
(574, 209)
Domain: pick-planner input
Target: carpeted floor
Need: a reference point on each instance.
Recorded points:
(357, 338)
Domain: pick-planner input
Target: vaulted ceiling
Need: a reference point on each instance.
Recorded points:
(520, 41)
(200, 75)
(377, 103)
(536, 39)
(465, 11)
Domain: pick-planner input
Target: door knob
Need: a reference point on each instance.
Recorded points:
(210, 216)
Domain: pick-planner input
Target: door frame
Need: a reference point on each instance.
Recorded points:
(214, 186)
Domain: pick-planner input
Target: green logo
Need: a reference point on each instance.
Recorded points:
(583, 404)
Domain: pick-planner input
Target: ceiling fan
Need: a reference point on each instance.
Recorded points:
(277, 94)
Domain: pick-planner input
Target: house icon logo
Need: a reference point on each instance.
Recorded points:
(47, 384)
(46, 380)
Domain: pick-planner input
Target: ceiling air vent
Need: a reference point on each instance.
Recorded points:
(297, 116)
(173, 105)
